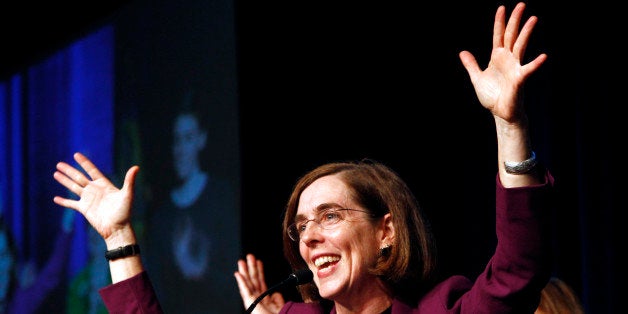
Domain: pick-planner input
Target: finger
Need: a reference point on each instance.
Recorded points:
(243, 274)
(262, 277)
(67, 203)
(67, 182)
(252, 270)
(242, 268)
(245, 293)
(532, 66)
(74, 174)
(88, 166)
(522, 42)
(470, 64)
(512, 29)
(129, 179)
(241, 283)
(498, 27)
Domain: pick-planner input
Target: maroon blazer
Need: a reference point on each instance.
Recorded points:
(511, 282)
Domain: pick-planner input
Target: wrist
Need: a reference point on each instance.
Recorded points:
(521, 167)
(122, 237)
(122, 252)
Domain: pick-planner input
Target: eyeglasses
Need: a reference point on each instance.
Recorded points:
(326, 219)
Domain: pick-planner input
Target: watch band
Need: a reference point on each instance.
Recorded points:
(123, 251)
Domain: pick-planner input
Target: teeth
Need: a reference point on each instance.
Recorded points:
(325, 259)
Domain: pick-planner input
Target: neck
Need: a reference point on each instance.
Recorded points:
(186, 194)
(369, 301)
(373, 306)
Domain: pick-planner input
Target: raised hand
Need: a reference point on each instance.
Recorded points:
(106, 208)
(500, 84)
(252, 283)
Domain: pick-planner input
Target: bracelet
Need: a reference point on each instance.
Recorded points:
(123, 251)
(522, 167)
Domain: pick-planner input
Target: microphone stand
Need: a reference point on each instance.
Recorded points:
(299, 277)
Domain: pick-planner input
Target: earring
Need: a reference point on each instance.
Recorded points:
(384, 250)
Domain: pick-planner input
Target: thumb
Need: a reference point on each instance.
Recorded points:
(129, 179)
(470, 63)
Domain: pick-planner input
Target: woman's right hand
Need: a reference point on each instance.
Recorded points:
(106, 208)
(252, 283)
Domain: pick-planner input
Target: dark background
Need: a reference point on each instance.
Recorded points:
(326, 81)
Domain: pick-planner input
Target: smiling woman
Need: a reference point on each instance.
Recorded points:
(384, 261)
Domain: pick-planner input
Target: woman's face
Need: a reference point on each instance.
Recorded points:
(189, 140)
(339, 256)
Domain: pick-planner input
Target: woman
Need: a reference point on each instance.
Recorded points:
(377, 255)
(358, 228)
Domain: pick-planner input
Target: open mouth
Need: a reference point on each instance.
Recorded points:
(326, 261)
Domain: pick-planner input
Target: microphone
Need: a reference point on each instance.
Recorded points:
(299, 277)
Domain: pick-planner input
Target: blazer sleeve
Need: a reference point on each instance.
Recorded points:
(515, 275)
(520, 267)
(133, 295)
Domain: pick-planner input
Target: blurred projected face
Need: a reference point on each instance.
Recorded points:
(6, 264)
(189, 140)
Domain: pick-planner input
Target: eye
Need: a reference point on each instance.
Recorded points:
(300, 226)
(331, 216)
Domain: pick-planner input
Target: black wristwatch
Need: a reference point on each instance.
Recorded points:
(123, 251)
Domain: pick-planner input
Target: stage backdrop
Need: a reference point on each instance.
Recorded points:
(154, 85)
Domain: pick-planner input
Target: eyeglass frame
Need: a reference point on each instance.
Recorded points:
(293, 227)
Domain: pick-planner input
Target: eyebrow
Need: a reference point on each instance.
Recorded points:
(320, 208)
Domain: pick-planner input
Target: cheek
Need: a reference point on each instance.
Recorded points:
(360, 239)
(364, 240)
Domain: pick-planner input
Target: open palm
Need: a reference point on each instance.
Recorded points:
(106, 207)
(502, 80)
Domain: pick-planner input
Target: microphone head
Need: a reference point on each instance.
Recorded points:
(299, 277)
(302, 276)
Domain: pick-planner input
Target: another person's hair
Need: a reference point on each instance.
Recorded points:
(557, 298)
(409, 264)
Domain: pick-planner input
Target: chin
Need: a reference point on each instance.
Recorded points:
(328, 291)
